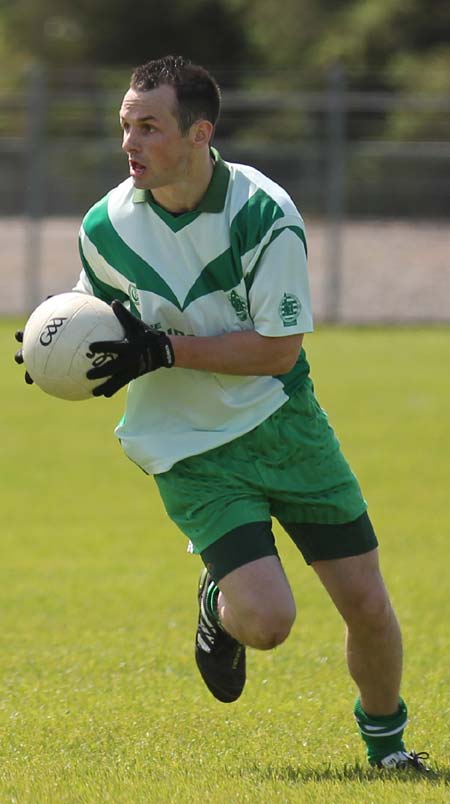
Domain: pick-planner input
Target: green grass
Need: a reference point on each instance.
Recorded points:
(101, 700)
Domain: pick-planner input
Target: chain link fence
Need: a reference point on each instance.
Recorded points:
(370, 173)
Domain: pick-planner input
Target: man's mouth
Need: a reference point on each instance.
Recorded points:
(137, 169)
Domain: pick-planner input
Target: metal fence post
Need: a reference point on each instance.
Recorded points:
(335, 203)
(34, 206)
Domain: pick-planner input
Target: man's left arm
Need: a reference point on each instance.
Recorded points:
(241, 353)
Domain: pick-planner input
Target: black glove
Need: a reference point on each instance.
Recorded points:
(143, 349)
(18, 357)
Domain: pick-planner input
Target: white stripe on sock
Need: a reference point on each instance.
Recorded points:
(385, 733)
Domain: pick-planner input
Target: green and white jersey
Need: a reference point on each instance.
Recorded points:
(236, 262)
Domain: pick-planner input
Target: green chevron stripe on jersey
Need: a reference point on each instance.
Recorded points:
(175, 222)
(220, 274)
(254, 220)
(102, 290)
(115, 251)
(300, 233)
(249, 227)
(189, 280)
(251, 224)
(249, 278)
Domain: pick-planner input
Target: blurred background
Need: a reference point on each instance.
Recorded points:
(347, 105)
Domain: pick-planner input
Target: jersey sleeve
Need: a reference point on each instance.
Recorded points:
(84, 284)
(277, 282)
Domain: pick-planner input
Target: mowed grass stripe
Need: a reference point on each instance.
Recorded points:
(101, 700)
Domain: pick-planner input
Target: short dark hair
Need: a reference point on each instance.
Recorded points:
(197, 92)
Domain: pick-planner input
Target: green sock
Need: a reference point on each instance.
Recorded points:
(211, 601)
(382, 734)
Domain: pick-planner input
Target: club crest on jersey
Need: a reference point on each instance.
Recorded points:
(239, 305)
(289, 309)
(133, 295)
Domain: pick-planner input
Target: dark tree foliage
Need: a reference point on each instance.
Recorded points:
(378, 42)
(116, 33)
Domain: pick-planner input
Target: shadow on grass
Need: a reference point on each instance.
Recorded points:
(347, 773)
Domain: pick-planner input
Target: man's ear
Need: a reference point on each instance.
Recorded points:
(201, 133)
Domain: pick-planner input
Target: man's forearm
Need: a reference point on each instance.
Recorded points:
(237, 353)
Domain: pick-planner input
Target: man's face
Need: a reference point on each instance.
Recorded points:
(158, 154)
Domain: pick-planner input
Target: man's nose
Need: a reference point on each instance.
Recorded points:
(129, 144)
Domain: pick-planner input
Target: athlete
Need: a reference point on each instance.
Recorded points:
(204, 263)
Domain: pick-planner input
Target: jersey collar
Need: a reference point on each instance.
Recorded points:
(214, 198)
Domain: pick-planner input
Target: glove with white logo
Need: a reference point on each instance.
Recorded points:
(143, 349)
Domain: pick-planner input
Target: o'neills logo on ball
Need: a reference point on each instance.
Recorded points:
(50, 330)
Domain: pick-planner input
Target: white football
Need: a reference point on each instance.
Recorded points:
(56, 343)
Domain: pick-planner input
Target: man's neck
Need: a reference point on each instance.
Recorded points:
(186, 195)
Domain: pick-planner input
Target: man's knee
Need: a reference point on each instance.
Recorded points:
(268, 628)
(256, 604)
(356, 586)
(370, 609)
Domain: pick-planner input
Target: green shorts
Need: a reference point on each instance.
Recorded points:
(290, 467)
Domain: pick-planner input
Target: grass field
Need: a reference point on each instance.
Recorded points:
(101, 700)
